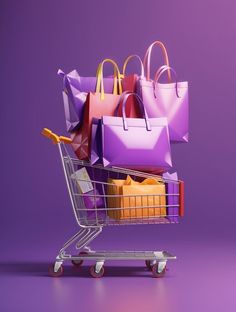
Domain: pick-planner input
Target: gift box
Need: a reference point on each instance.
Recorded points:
(132, 199)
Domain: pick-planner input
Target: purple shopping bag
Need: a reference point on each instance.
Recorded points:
(91, 193)
(96, 132)
(167, 100)
(95, 205)
(135, 143)
(75, 91)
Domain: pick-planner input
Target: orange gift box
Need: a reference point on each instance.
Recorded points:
(132, 199)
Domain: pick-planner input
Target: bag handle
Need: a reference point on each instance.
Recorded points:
(140, 102)
(130, 57)
(160, 72)
(100, 83)
(147, 58)
(120, 101)
(123, 99)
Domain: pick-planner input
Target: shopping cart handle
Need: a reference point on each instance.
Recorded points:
(65, 139)
(54, 137)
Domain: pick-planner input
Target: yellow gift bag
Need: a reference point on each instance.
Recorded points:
(131, 199)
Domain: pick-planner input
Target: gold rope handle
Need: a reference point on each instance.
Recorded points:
(54, 137)
(100, 83)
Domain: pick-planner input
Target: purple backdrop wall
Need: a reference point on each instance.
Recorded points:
(38, 37)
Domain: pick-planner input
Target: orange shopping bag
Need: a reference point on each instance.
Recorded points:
(131, 199)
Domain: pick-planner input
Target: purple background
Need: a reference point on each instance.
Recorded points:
(37, 38)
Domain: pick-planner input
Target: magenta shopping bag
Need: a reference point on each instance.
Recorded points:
(165, 99)
(168, 100)
(135, 143)
(75, 91)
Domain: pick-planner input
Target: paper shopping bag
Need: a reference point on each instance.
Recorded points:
(97, 104)
(168, 99)
(137, 143)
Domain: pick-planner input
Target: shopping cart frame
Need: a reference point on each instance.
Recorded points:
(155, 260)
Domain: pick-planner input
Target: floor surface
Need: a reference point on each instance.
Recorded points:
(203, 278)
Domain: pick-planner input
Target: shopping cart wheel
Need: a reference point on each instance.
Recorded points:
(52, 273)
(156, 270)
(78, 263)
(93, 273)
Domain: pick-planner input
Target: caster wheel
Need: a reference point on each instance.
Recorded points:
(155, 271)
(78, 263)
(52, 273)
(148, 265)
(93, 273)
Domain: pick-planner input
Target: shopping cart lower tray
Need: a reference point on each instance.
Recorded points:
(103, 196)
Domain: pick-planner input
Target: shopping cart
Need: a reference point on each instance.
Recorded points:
(97, 201)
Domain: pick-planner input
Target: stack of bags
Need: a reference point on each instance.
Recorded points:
(124, 120)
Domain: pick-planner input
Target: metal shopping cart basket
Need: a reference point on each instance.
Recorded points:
(114, 196)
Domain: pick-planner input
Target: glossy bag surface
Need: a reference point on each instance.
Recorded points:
(168, 100)
(135, 143)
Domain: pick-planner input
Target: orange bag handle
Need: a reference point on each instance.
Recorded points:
(54, 137)
(147, 58)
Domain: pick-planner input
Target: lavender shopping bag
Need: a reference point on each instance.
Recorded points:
(96, 132)
(167, 100)
(161, 99)
(91, 193)
(135, 143)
